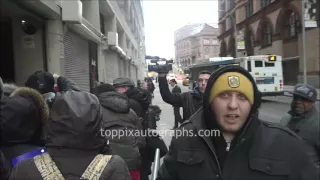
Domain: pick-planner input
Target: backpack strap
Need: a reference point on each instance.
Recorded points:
(47, 168)
(96, 167)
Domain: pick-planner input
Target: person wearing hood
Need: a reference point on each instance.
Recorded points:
(22, 116)
(303, 118)
(4, 166)
(8, 88)
(139, 99)
(189, 101)
(117, 117)
(44, 83)
(226, 140)
(75, 148)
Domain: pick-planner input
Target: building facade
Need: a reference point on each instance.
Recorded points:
(272, 27)
(195, 42)
(86, 41)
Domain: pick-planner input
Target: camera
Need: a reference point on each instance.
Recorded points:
(159, 65)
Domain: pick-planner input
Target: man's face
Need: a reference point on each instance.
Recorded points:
(171, 83)
(232, 110)
(301, 105)
(202, 82)
(122, 89)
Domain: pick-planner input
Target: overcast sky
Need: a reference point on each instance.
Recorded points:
(163, 17)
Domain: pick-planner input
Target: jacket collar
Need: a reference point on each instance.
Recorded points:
(312, 111)
(246, 132)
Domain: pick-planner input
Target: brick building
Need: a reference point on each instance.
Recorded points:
(195, 42)
(272, 27)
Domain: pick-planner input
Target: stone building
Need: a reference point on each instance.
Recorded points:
(87, 41)
(195, 42)
(272, 27)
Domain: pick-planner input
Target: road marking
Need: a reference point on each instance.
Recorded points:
(163, 124)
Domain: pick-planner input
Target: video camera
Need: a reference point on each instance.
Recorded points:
(159, 65)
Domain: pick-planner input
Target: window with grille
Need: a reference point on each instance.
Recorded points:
(291, 25)
(266, 34)
(265, 3)
(249, 8)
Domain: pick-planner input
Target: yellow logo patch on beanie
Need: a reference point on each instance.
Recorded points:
(232, 81)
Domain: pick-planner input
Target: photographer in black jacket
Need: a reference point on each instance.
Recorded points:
(190, 101)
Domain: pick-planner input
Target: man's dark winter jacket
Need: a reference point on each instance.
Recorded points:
(260, 150)
(189, 101)
(22, 117)
(117, 116)
(306, 126)
(73, 139)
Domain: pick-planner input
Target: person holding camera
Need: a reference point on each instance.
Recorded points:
(189, 101)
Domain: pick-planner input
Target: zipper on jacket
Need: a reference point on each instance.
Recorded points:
(228, 146)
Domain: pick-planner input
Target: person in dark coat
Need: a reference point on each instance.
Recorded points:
(139, 101)
(189, 101)
(139, 98)
(118, 117)
(226, 140)
(41, 81)
(22, 116)
(176, 109)
(74, 144)
(303, 117)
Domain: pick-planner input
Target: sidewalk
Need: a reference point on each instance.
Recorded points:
(288, 89)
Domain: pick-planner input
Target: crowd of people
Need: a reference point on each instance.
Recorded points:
(50, 129)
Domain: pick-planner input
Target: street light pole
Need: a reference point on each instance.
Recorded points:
(303, 42)
(235, 35)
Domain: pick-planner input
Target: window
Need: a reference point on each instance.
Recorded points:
(214, 41)
(266, 32)
(102, 27)
(249, 8)
(206, 41)
(267, 64)
(231, 22)
(258, 64)
(222, 8)
(265, 3)
(232, 4)
(249, 66)
(207, 50)
(291, 25)
(223, 26)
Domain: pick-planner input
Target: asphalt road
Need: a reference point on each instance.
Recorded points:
(272, 109)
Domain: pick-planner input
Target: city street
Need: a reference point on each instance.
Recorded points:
(272, 109)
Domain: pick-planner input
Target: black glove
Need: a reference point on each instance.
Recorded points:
(65, 84)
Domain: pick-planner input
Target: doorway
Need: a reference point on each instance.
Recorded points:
(6, 51)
